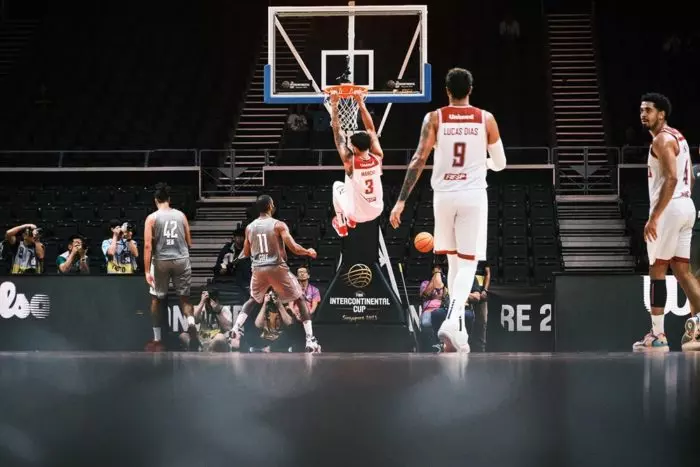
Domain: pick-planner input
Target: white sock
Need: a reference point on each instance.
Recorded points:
(453, 268)
(156, 334)
(657, 324)
(336, 203)
(307, 328)
(240, 319)
(462, 288)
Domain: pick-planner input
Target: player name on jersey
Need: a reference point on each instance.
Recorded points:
(466, 131)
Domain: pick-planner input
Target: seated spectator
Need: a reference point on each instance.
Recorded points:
(225, 262)
(432, 293)
(25, 249)
(215, 322)
(121, 251)
(75, 259)
(311, 293)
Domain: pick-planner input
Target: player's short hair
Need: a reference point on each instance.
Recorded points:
(459, 82)
(263, 203)
(162, 193)
(660, 101)
(361, 140)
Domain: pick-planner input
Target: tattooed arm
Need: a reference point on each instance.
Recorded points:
(339, 136)
(416, 166)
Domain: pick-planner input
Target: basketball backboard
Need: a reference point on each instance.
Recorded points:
(384, 48)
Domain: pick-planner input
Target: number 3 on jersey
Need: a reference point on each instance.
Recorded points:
(460, 150)
(169, 232)
(369, 186)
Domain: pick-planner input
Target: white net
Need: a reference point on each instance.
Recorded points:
(348, 106)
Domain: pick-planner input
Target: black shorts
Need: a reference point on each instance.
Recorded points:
(695, 253)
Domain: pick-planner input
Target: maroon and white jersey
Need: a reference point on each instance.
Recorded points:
(365, 185)
(459, 160)
(683, 170)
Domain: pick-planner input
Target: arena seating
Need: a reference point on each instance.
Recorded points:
(635, 62)
(131, 75)
(635, 203)
(523, 246)
(64, 211)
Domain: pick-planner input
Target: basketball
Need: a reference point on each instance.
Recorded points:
(423, 242)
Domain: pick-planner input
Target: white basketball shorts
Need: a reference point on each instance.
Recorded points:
(354, 209)
(461, 222)
(674, 231)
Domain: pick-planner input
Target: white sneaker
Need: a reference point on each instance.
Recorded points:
(691, 337)
(453, 333)
(312, 345)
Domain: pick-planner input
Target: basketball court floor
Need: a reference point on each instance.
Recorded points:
(133, 409)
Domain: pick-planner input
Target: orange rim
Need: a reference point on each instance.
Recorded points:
(345, 90)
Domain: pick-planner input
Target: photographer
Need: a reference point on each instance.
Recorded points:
(75, 259)
(121, 251)
(215, 323)
(274, 319)
(26, 249)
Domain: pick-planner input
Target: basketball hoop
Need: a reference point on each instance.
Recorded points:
(348, 106)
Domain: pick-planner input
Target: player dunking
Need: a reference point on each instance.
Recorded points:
(361, 197)
(672, 215)
(462, 136)
(167, 240)
(265, 239)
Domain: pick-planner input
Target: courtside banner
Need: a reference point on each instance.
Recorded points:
(89, 313)
(520, 320)
(610, 312)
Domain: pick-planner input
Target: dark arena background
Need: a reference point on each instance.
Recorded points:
(221, 100)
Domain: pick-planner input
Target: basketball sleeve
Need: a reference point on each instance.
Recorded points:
(497, 161)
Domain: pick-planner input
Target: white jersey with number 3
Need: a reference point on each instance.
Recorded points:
(459, 160)
(365, 187)
(683, 170)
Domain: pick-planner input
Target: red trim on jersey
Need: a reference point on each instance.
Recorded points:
(675, 133)
(454, 114)
(678, 259)
(445, 252)
(467, 257)
(362, 164)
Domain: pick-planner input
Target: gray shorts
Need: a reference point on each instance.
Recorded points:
(695, 253)
(177, 270)
(277, 277)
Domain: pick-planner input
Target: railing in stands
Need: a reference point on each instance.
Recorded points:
(639, 154)
(68, 159)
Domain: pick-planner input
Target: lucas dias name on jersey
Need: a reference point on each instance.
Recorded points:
(469, 131)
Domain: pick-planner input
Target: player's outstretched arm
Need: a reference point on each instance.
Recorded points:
(338, 135)
(375, 148)
(416, 166)
(283, 231)
(497, 159)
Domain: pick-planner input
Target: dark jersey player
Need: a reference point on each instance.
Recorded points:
(691, 338)
(265, 240)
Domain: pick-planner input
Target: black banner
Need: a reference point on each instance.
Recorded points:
(520, 320)
(360, 292)
(611, 312)
(74, 313)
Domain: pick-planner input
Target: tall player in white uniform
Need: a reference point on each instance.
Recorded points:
(671, 216)
(361, 197)
(462, 136)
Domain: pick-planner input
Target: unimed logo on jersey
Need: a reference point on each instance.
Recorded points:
(18, 305)
(460, 117)
(673, 296)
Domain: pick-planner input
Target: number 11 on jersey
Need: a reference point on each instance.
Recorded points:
(262, 239)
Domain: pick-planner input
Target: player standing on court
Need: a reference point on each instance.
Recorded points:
(265, 239)
(361, 197)
(462, 136)
(167, 240)
(691, 338)
(671, 216)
